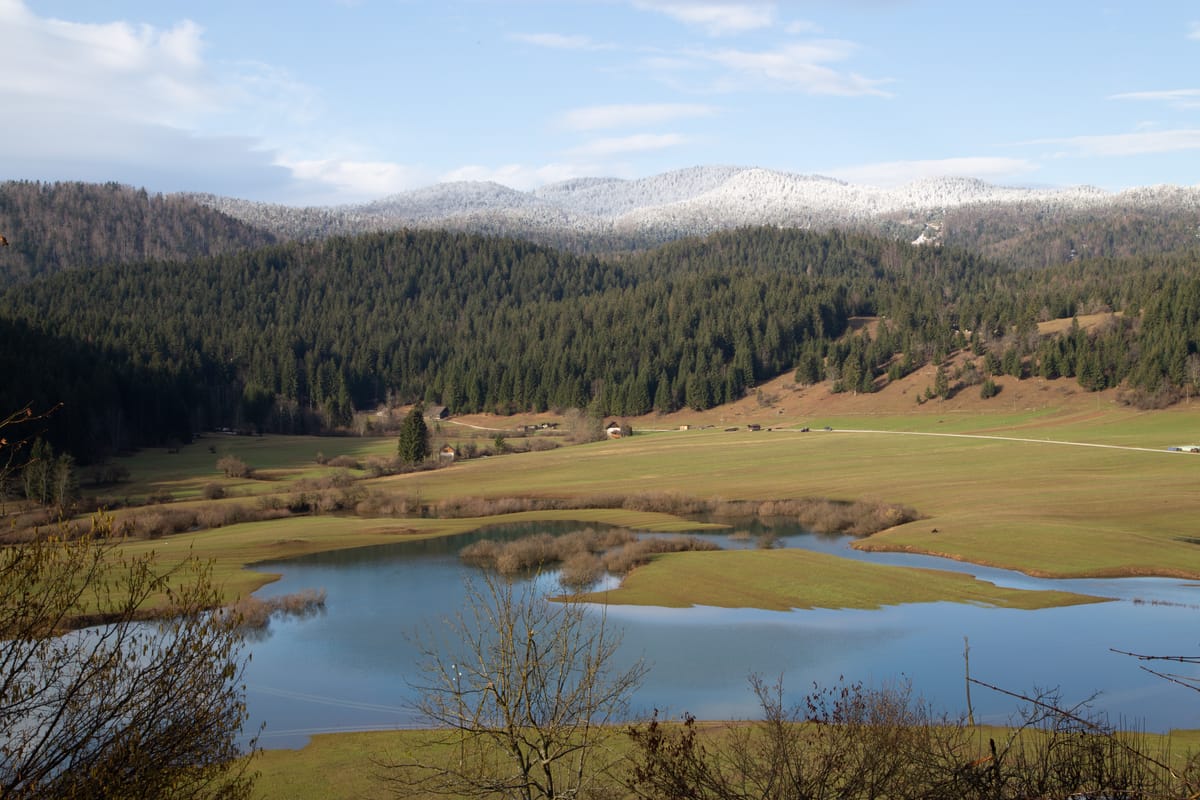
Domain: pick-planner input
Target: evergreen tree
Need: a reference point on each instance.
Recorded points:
(941, 383)
(414, 437)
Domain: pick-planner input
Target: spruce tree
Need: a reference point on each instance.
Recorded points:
(414, 437)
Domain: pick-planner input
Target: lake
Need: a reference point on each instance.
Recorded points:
(350, 668)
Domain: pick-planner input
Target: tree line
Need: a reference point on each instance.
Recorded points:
(294, 338)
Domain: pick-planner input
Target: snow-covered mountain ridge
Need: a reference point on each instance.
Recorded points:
(697, 200)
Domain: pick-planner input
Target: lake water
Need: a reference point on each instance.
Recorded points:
(350, 668)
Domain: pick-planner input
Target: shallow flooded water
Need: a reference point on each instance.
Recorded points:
(351, 667)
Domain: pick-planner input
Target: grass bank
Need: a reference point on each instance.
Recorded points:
(788, 579)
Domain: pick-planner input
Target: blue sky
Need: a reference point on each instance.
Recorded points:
(332, 101)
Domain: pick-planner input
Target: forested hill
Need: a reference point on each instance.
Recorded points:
(53, 227)
(1034, 237)
(295, 337)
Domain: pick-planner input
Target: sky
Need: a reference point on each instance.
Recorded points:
(324, 102)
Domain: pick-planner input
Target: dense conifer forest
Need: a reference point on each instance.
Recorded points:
(295, 337)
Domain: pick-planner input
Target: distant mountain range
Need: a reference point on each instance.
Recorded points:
(55, 227)
(607, 213)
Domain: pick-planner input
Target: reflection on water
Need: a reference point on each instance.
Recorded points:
(351, 668)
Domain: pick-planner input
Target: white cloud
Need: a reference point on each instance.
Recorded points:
(638, 143)
(115, 69)
(897, 173)
(718, 19)
(1176, 98)
(802, 26)
(138, 104)
(1127, 144)
(558, 41)
(631, 115)
(346, 181)
(1194, 33)
(801, 65)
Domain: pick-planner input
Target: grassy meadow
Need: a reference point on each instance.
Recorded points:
(1003, 487)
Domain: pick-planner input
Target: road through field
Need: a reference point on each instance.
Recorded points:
(997, 438)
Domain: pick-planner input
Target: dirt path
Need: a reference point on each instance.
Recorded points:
(476, 427)
(998, 438)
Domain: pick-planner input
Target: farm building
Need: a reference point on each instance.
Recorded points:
(615, 430)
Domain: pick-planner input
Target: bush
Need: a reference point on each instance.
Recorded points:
(253, 613)
(344, 462)
(106, 474)
(213, 491)
(581, 570)
(233, 467)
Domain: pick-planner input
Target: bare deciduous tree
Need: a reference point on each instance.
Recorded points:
(127, 708)
(523, 705)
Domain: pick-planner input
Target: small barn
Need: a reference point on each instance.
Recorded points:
(613, 430)
(447, 453)
(436, 413)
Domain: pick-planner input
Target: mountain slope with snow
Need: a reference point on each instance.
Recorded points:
(608, 212)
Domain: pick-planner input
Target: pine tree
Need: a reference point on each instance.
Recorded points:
(941, 383)
(414, 437)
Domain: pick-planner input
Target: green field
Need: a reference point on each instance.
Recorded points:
(1032, 501)
(796, 578)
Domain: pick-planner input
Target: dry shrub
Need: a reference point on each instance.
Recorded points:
(213, 491)
(382, 504)
(233, 467)
(329, 501)
(542, 549)
(218, 515)
(270, 502)
(481, 554)
(254, 613)
(858, 518)
(767, 541)
(459, 507)
(624, 559)
(344, 462)
(667, 503)
(854, 743)
(163, 522)
(581, 570)
(1145, 400)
